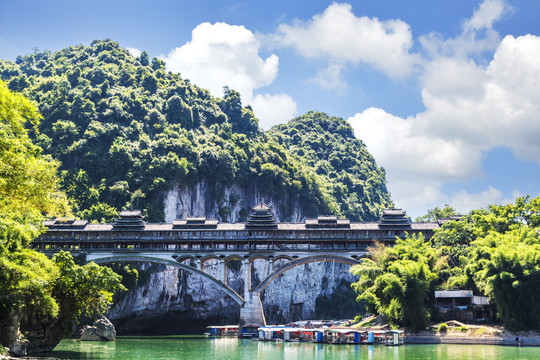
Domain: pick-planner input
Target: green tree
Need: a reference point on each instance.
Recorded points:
(398, 282)
(52, 292)
(437, 213)
(506, 268)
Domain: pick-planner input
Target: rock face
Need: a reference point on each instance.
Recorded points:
(175, 301)
(232, 205)
(102, 330)
(28, 332)
(178, 301)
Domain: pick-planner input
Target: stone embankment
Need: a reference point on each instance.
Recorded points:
(472, 340)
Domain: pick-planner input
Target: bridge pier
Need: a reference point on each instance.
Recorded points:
(251, 311)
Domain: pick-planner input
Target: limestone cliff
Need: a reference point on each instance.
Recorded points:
(230, 204)
(177, 301)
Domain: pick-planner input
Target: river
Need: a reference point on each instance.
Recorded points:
(196, 347)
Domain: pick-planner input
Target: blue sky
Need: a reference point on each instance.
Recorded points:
(445, 94)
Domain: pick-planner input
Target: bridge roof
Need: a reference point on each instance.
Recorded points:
(241, 226)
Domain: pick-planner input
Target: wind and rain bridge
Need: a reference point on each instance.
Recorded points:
(189, 243)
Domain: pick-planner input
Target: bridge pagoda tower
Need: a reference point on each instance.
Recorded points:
(251, 312)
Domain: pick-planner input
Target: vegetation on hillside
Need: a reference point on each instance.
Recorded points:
(125, 130)
(29, 190)
(494, 252)
(328, 145)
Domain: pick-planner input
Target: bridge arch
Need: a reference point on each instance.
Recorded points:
(282, 257)
(258, 257)
(135, 258)
(233, 257)
(185, 257)
(304, 260)
(210, 257)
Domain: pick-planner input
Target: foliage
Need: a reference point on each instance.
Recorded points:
(327, 144)
(28, 182)
(494, 252)
(437, 213)
(398, 281)
(29, 191)
(443, 328)
(84, 290)
(125, 131)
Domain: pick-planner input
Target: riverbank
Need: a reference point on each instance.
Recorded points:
(4, 357)
(472, 340)
(456, 332)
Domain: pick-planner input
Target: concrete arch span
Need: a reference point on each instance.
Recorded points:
(135, 258)
(316, 258)
(185, 257)
(282, 257)
(258, 257)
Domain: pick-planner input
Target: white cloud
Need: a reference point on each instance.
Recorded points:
(470, 109)
(221, 55)
(273, 109)
(330, 78)
(477, 34)
(340, 37)
(487, 13)
(464, 202)
(134, 51)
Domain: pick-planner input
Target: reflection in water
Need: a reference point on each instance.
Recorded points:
(182, 347)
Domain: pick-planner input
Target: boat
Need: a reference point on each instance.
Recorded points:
(344, 336)
(250, 331)
(394, 338)
(222, 330)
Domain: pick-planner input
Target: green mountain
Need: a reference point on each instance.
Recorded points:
(328, 145)
(126, 131)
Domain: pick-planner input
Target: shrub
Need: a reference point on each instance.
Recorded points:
(443, 328)
(463, 328)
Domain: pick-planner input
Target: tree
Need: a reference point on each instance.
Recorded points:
(29, 186)
(437, 213)
(506, 268)
(144, 59)
(398, 282)
(31, 285)
(242, 119)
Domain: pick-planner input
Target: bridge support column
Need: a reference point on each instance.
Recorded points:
(247, 276)
(199, 265)
(224, 272)
(251, 312)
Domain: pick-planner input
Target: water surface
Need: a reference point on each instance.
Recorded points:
(197, 347)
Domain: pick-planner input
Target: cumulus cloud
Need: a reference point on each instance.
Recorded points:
(464, 202)
(340, 37)
(487, 13)
(134, 51)
(477, 34)
(221, 55)
(470, 109)
(273, 109)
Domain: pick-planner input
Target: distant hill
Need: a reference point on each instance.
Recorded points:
(328, 145)
(126, 131)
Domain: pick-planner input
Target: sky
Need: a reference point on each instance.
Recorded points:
(445, 94)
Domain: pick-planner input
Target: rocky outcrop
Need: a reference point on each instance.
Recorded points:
(178, 301)
(230, 204)
(102, 330)
(29, 332)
